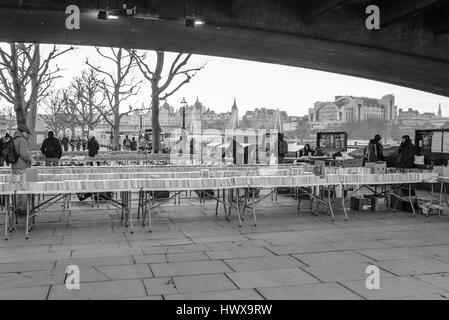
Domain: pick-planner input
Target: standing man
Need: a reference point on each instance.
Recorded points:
(406, 153)
(93, 147)
(374, 151)
(127, 143)
(3, 142)
(51, 149)
(282, 147)
(133, 145)
(84, 143)
(78, 143)
(72, 143)
(65, 143)
(23, 161)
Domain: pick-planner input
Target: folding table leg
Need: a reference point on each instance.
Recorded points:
(343, 200)
(148, 208)
(27, 216)
(410, 199)
(224, 202)
(139, 204)
(238, 208)
(6, 219)
(441, 198)
(254, 207)
(329, 202)
(130, 213)
(218, 198)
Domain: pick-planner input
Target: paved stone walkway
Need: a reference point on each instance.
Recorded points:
(194, 254)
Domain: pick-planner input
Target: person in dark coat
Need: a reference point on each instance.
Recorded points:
(93, 147)
(72, 143)
(3, 142)
(306, 151)
(51, 149)
(406, 158)
(65, 143)
(78, 144)
(374, 151)
(133, 144)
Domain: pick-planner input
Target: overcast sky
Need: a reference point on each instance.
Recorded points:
(257, 85)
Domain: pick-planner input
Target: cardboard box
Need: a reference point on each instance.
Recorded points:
(377, 167)
(360, 203)
(378, 203)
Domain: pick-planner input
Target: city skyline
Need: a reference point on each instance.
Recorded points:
(290, 89)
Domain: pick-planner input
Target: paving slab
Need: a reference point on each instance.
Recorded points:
(26, 266)
(393, 254)
(90, 262)
(393, 288)
(33, 293)
(327, 258)
(187, 256)
(189, 268)
(133, 271)
(263, 263)
(346, 272)
(354, 245)
(271, 278)
(438, 280)
(239, 253)
(151, 258)
(160, 286)
(100, 290)
(319, 291)
(245, 294)
(301, 248)
(202, 283)
(112, 252)
(414, 266)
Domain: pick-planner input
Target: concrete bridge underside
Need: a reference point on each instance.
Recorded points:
(411, 49)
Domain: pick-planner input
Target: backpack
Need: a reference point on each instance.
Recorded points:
(283, 148)
(9, 152)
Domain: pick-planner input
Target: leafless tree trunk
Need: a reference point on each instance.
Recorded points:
(177, 76)
(117, 86)
(84, 98)
(25, 78)
(56, 112)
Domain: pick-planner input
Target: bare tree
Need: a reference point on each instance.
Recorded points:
(7, 111)
(55, 117)
(164, 85)
(26, 77)
(86, 101)
(118, 85)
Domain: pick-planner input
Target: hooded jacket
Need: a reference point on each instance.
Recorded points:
(22, 149)
(406, 155)
(51, 147)
(374, 151)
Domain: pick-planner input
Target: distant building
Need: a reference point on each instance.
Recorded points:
(270, 118)
(352, 109)
(413, 117)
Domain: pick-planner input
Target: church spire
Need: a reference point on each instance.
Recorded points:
(234, 106)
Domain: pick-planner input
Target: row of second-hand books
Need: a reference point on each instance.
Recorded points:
(211, 182)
